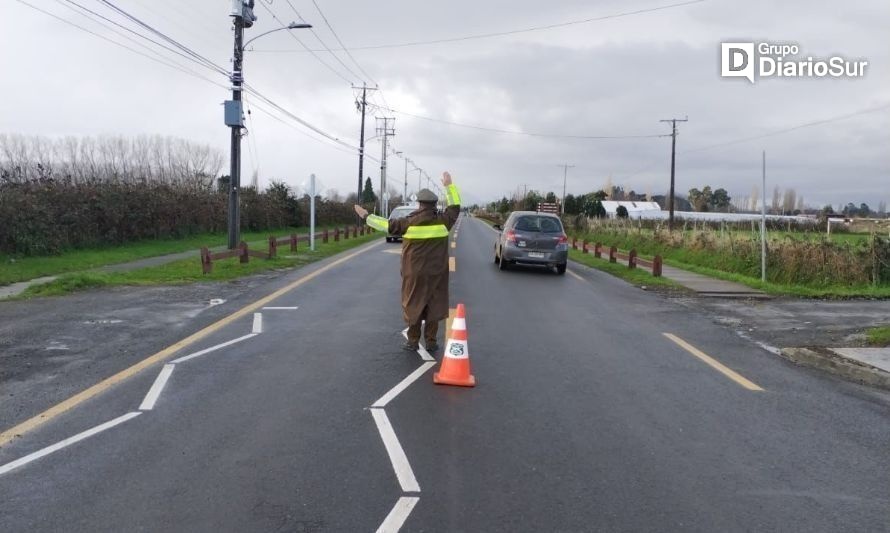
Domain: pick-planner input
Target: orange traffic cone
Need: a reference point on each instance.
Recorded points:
(455, 369)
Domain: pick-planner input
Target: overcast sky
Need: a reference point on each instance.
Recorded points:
(613, 77)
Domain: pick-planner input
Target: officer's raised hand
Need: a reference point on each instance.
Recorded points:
(360, 211)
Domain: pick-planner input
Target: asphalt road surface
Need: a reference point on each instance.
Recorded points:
(598, 407)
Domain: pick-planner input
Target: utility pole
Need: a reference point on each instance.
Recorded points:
(673, 122)
(236, 121)
(763, 226)
(565, 172)
(361, 147)
(405, 194)
(386, 131)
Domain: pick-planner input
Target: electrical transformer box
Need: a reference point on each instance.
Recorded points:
(234, 117)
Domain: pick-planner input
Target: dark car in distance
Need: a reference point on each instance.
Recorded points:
(534, 239)
(400, 212)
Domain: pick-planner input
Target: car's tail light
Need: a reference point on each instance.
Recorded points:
(511, 236)
(562, 239)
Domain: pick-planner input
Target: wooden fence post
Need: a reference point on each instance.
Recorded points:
(336, 234)
(324, 236)
(612, 252)
(243, 256)
(598, 250)
(273, 247)
(346, 233)
(354, 232)
(206, 261)
(632, 258)
(293, 242)
(584, 246)
(656, 266)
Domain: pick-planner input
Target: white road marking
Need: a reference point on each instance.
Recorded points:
(257, 323)
(404, 384)
(425, 355)
(280, 308)
(155, 391)
(400, 511)
(576, 276)
(213, 348)
(67, 442)
(396, 454)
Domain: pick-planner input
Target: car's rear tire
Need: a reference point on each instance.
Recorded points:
(389, 239)
(561, 269)
(502, 264)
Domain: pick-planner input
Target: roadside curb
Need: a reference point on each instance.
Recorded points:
(831, 362)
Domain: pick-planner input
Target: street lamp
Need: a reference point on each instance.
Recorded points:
(234, 116)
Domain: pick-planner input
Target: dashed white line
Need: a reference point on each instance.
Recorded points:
(257, 323)
(404, 384)
(400, 511)
(155, 391)
(425, 355)
(67, 442)
(213, 348)
(397, 456)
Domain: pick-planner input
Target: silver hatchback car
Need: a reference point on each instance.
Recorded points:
(532, 238)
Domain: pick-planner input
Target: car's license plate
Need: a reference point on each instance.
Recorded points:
(536, 255)
(521, 244)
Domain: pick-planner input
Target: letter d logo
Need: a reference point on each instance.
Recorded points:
(737, 60)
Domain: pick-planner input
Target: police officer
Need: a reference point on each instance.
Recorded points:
(424, 261)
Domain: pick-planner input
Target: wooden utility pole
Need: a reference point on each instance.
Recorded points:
(673, 122)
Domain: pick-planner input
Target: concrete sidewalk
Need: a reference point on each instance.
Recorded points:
(15, 289)
(708, 286)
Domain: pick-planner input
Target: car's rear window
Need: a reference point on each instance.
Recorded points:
(538, 223)
(401, 213)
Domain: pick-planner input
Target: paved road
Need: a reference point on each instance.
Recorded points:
(586, 417)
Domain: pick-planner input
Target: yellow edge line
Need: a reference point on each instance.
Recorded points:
(451, 313)
(713, 363)
(452, 265)
(107, 383)
(453, 244)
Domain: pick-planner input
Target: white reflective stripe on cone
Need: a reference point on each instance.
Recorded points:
(459, 323)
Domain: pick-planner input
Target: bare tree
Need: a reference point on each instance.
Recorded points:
(777, 200)
(755, 198)
(789, 199)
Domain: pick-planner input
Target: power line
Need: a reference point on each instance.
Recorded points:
(521, 30)
(86, 12)
(792, 128)
(301, 43)
(198, 57)
(318, 37)
(337, 37)
(169, 64)
(526, 133)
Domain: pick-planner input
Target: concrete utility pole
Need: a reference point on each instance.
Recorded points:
(565, 172)
(361, 146)
(673, 122)
(386, 131)
(763, 226)
(312, 212)
(405, 194)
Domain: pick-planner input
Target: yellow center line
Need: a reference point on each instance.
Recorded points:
(453, 244)
(107, 383)
(452, 266)
(713, 363)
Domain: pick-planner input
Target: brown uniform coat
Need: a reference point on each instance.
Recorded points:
(425, 265)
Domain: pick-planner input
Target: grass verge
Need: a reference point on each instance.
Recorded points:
(189, 270)
(15, 269)
(635, 276)
(879, 336)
